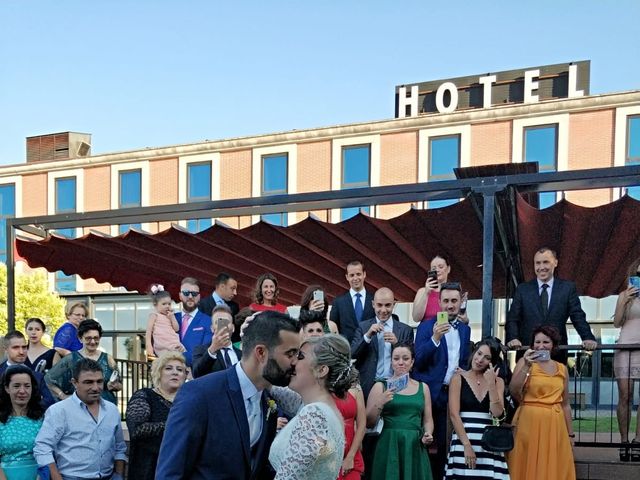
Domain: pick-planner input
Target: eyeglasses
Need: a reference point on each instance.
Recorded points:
(91, 339)
(189, 293)
(451, 286)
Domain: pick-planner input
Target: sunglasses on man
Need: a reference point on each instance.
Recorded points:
(189, 293)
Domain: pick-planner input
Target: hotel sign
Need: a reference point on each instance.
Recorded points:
(531, 85)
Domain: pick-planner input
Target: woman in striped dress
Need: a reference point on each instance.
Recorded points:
(475, 396)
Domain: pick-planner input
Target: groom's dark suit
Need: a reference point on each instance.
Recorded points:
(207, 433)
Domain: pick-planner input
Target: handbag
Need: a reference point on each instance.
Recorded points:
(496, 437)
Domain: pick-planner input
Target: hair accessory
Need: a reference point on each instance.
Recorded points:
(344, 373)
(157, 288)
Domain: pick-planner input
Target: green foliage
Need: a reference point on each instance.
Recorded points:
(33, 299)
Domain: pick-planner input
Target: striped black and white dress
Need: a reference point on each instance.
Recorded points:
(475, 416)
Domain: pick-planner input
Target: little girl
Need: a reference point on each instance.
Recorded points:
(162, 326)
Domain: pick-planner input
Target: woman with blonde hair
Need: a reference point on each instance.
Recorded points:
(66, 339)
(148, 410)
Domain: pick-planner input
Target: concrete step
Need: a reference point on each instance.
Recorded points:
(603, 464)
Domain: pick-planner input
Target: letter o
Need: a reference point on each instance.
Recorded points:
(453, 91)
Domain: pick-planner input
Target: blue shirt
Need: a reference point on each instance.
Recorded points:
(67, 337)
(78, 444)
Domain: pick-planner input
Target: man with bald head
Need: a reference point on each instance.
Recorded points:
(371, 345)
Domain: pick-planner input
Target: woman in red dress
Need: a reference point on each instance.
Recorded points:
(266, 294)
(355, 420)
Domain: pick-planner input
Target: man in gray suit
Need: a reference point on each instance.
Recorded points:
(371, 345)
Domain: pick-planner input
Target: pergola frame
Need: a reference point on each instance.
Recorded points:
(482, 190)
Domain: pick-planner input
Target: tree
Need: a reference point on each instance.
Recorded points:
(33, 299)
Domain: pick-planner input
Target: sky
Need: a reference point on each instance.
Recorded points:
(153, 73)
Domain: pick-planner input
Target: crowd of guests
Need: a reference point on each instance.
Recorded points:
(343, 393)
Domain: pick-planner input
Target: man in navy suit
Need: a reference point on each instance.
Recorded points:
(442, 348)
(226, 288)
(546, 301)
(220, 425)
(221, 354)
(349, 309)
(15, 347)
(195, 326)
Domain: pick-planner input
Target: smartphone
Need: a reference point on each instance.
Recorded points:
(634, 282)
(442, 318)
(222, 323)
(115, 376)
(463, 306)
(318, 296)
(542, 356)
(432, 275)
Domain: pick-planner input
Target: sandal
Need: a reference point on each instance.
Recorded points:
(635, 450)
(624, 453)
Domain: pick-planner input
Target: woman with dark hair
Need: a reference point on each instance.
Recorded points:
(311, 445)
(266, 294)
(40, 358)
(544, 434)
(312, 308)
(66, 339)
(59, 377)
(408, 424)
(426, 303)
(21, 416)
(626, 363)
(476, 396)
(148, 410)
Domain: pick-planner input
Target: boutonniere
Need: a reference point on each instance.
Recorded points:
(271, 408)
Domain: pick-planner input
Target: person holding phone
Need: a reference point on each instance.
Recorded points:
(408, 423)
(220, 354)
(626, 363)
(544, 433)
(314, 305)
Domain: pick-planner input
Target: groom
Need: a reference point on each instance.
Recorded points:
(220, 425)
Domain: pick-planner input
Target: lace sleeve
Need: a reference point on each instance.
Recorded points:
(288, 400)
(64, 336)
(307, 442)
(138, 414)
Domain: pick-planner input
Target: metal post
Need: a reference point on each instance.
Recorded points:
(11, 290)
(489, 201)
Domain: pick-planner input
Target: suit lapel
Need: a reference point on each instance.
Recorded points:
(240, 412)
(262, 441)
(535, 296)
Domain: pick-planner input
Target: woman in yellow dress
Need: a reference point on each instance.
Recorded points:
(543, 432)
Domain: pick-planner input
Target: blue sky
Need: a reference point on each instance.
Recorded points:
(147, 73)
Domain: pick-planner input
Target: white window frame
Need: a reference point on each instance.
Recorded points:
(620, 141)
(183, 177)
(336, 165)
(562, 120)
(144, 187)
(292, 173)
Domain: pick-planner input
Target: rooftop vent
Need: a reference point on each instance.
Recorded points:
(58, 146)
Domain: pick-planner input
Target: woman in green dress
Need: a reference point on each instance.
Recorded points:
(59, 377)
(21, 417)
(408, 425)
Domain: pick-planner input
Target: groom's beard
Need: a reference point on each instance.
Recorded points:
(275, 375)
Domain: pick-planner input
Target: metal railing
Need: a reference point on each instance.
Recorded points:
(135, 375)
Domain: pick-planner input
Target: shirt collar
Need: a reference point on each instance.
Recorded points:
(389, 321)
(550, 283)
(192, 314)
(76, 400)
(218, 299)
(362, 292)
(246, 385)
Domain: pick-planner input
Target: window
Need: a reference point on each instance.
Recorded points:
(7, 210)
(130, 194)
(632, 153)
(274, 182)
(65, 202)
(198, 190)
(541, 145)
(444, 156)
(356, 166)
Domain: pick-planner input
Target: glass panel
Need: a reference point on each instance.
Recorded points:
(106, 344)
(347, 213)
(130, 189)
(105, 315)
(633, 139)
(444, 157)
(274, 174)
(65, 283)
(279, 219)
(142, 314)
(540, 146)
(441, 203)
(125, 316)
(355, 166)
(3, 240)
(546, 199)
(65, 195)
(590, 307)
(7, 200)
(199, 178)
(607, 308)
(125, 228)
(197, 225)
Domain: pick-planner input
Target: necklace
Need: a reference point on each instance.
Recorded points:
(164, 395)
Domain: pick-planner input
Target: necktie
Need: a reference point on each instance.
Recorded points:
(358, 307)
(227, 358)
(544, 300)
(255, 420)
(185, 324)
(381, 365)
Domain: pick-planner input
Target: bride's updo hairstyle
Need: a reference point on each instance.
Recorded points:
(333, 351)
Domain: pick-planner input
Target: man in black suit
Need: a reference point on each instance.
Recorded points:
(349, 309)
(546, 301)
(226, 288)
(221, 354)
(371, 345)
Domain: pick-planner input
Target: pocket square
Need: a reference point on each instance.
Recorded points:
(198, 328)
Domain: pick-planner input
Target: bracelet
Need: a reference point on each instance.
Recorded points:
(572, 435)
